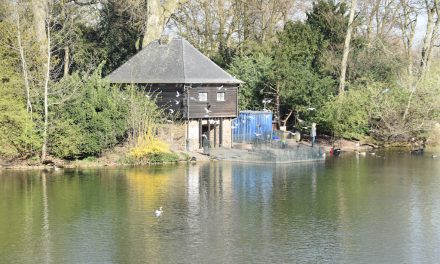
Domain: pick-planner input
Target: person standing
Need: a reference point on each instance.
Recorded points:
(313, 133)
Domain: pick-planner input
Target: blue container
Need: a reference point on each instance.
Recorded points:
(251, 126)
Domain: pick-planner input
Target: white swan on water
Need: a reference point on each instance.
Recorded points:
(158, 213)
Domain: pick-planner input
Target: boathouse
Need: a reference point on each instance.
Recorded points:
(202, 96)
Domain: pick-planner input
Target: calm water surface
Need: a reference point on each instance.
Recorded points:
(345, 210)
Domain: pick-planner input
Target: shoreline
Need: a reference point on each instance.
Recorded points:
(112, 159)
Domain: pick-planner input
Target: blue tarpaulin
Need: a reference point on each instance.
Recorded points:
(251, 126)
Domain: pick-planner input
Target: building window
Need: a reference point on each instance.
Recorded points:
(220, 97)
(203, 97)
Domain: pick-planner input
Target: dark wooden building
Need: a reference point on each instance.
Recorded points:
(187, 84)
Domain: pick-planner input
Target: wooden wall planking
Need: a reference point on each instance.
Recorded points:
(168, 99)
(228, 108)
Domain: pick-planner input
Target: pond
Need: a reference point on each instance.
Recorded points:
(374, 209)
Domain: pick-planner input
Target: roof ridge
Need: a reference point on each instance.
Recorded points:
(206, 58)
(183, 60)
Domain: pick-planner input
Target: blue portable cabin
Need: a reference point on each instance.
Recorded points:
(251, 126)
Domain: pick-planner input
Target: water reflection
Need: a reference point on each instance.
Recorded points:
(349, 210)
(45, 228)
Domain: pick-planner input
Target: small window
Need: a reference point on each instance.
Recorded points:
(203, 97)
(221, 97)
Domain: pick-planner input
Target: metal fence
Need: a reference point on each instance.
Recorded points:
(273, 151)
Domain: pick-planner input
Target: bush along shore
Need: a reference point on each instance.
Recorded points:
(160, 153)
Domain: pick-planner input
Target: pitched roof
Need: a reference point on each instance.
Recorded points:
(176, 61)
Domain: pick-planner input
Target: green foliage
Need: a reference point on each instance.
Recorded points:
(255, 72)
(330, 19)
(18, 136)
(115, 36)
(295, 59)
(346, 116)
(94, 120)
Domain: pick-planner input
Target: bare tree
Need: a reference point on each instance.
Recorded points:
(346, 48)
(381, 17)
(158, 15)
(213, 25)
(408, 21)
(24, 66)
(432, 26)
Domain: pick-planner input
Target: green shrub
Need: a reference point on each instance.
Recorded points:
(18, 136)
(94, 120)
(346, 116)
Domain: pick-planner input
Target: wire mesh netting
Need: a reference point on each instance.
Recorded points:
(275, 151)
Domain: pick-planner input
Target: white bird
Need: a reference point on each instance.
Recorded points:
(219, 88)
(311, 109)
(169, 121)
(158, 213)
(171, 110)
(266, 101)
(386, 90)
(207, 110)
(177, 101)
(177, 94)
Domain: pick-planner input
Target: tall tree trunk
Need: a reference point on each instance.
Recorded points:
(157, 17)
(66, 65)
(39, 11)
(23, 63)
(373, 12)
(430, 27)
(45, 95)
(346, 48)
(408, 22)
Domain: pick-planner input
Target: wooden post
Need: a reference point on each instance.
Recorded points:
(200, 134)
(209, 131)
(215, 133)
(220, 144)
